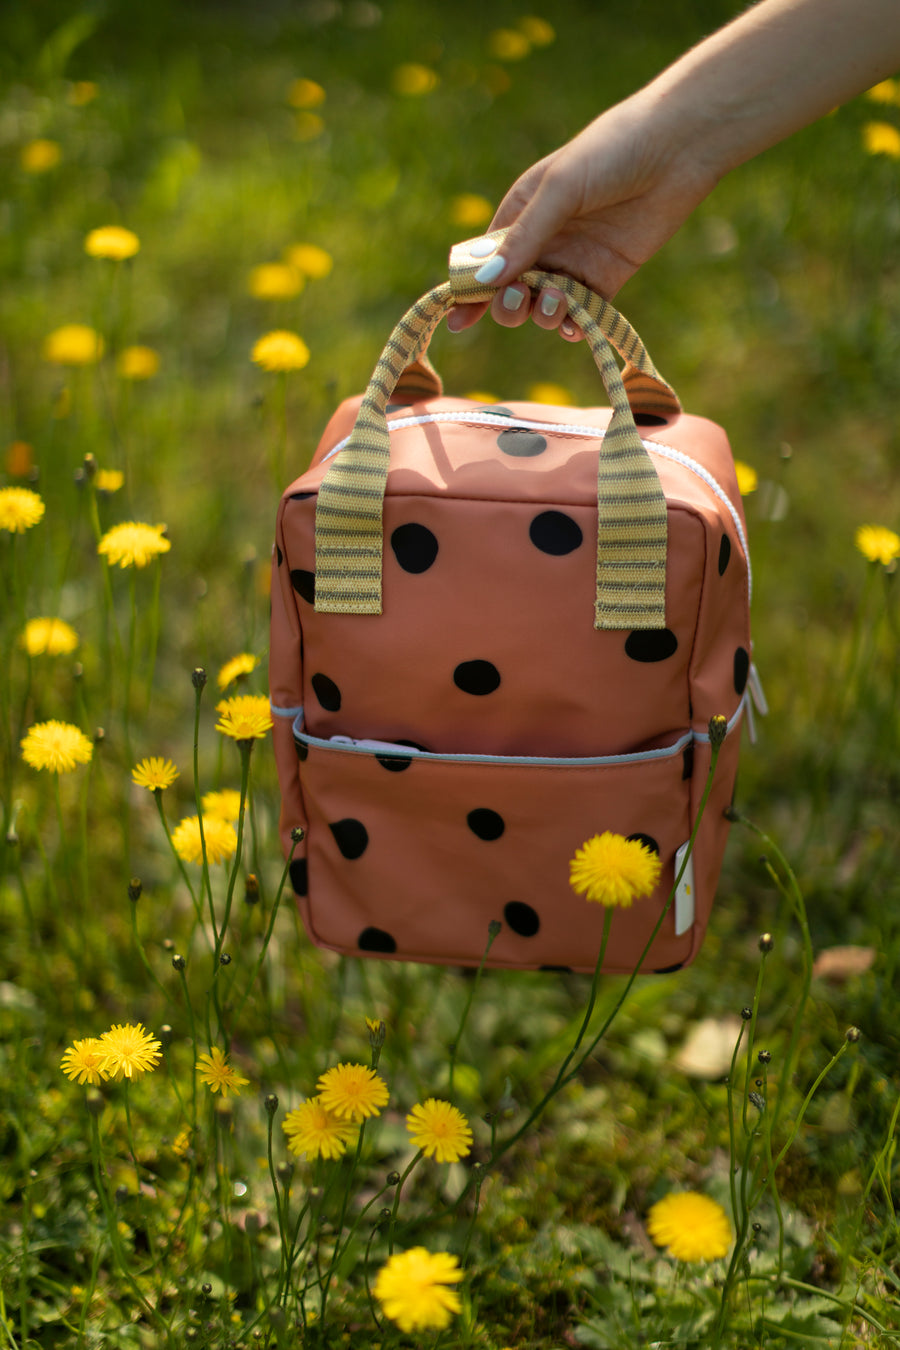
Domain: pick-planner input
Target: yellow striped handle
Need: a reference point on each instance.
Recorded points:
(631, 533)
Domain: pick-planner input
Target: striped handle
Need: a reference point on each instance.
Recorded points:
(631, 532)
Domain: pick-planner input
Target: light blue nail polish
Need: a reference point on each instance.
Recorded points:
(490, 271)
(512, 299)
(549, 304)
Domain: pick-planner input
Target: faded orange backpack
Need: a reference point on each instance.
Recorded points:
(498, 631)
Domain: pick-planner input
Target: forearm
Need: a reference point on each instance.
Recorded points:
(778, 67)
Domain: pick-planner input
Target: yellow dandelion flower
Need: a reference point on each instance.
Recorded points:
(308, 126)
(137, 363)
(40, 156)
(882, 138)
(469, 210)
(242, 664)
(82, 1061)
(878, 544)
(692, 1226)
(245, 717)
(20, 508)
(508, 44)
(57, 747)
(886, 91)
(439, 1130)
(547, 392)
(412, 1289)
(112, 241)
(313, 1130)
(129, 1050)
(305, 93)
(352, 1091)
(223, 805)
(19, 459)
(413, 80)
(747, 478)
(218, 835)
(312, 261)
(275, 281)
(280, 350)
(218, 1074)
(482, 396)
(538, 31)
(82, 92)
(132, 544)
(612, 870)
(154, 773)
(48, 637)
(181, 1143)
(108, 480)
(74, 344)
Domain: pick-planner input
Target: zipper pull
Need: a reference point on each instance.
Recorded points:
(756, 691)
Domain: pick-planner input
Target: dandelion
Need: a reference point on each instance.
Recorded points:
(485, 396)
(306, 94)
(137, 363)
(74, 344)
(82, 92)
(274, 281)
(538, 31)
(112, 241)
(56, 746)
(129, 1050)
(747, 478)
(218, 835)
(439, 1130)
(312, 261)
(612, 870)
(154, 773)
(82, 1061)
(469, 210)
(48, 637)
(412, 1289)
(245, 717)
(242, 664)
(280, 350)
(108, 480)
(413, 80)
(878, 544)
(20, 508)
(507, 44)
(132, 544)
(886, 91)
(224, 805)
(19, 459)
(546, 392)
(218, 1074)
(40, 156)
(352, 1091)
(308, 126)
(313, 1130)
(692, 1226)
(882, 138)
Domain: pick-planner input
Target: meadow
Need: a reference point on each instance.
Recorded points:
(176, 182)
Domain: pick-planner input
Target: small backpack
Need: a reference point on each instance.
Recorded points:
(498, 631)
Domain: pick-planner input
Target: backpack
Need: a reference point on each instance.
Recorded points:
(498, 631)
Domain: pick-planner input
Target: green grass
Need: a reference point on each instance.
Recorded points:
(774, 311)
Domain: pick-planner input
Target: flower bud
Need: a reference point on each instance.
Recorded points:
(198, 678)
(718, 730)
(251, 889)
(166, 1035)
(178, 962)
(746, 1013)
(224, 959)
(393, 1178)
(135, 888)
(271, 1104)
(494, 928)
(298, 834)
(94, 1101)
(765, 1057)
(766, 942)
(852, 1034)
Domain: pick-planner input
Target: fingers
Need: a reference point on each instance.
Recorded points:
(513, 305)
(463, 316)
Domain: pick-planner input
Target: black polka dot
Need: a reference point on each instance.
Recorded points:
(394, 763)
(556, 533)
(415, 547)
(304, 583)
(302, 748)
(484, 822)
(476, 677)
(299, 876)
(279, 555)
(647, 840)
(395, 407)
(558, 970)
(376, 940)
(301, 496)
(498, 409)
(651, 644)
(724, 554)
(327, 692)
(649, 420)
(668, 970)
(351, 837)
(414, 745)
(521, 918)
(522, 443)
(687, 758)
(741, 669)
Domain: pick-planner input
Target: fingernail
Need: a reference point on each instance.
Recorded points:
(567, 327)
(490, 271)
(453, 319)
(512, 298)
(549, 304)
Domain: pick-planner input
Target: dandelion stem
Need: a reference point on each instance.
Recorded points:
(493, 930)
(396, 1204)
(261, 955)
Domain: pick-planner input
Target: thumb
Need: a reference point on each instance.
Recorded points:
(531, 230)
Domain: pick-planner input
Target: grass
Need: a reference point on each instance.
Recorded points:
(155, 1212)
